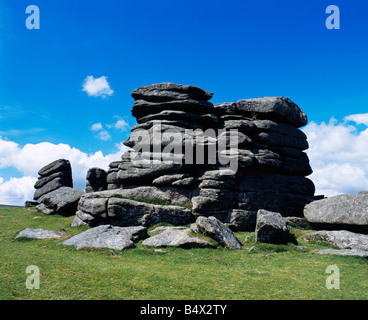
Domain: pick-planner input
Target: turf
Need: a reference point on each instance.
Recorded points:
(272, 272)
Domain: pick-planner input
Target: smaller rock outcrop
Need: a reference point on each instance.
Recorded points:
(272, 228)
(55, 175)
(54, 189)
(96, 180)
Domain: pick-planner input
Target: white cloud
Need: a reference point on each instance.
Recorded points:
(121, 125)
(28, 160)
(17, 191)
(97, 87)
(96, 126)
(360, 118)
(338, 155)
(104, 135)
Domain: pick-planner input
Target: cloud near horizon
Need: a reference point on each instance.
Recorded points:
(29, 159)
(338, 153)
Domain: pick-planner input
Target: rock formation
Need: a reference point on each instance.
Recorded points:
(96, 180)
(227, 160)
(55, 175)
(54, 189)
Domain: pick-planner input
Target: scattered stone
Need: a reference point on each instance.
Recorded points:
(297, 222)
(107, 236)
(40, 234)
(175, 237)
(29, 204)
(253, 249)
(215, 229)
(272, 228)
(341, 238)
(344, 252)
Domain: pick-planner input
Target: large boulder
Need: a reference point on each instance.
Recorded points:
(62, 201)
(107, 236)
(215, 229)
(346, 211)
(272, 228)
(341, 238)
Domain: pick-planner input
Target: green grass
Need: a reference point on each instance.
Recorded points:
(271, 272)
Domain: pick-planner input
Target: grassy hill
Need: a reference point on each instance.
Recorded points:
(271, 272)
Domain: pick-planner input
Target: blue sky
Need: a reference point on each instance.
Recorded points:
(236, 49)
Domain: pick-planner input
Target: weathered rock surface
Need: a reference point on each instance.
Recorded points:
(215, 229)
(40, 234)
(227, 160)
(63, 201)
(272, 228)
(131, 207)
(344, 252)
(55, 175)
(175, 237)
(344, 211)
(341, 238)
(96, 180)
(107, 236)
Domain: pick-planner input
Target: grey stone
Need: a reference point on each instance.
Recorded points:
(78, 222)
(42, 208)
(60, 174)
(97, 180)
(52, 185)
(168, 179)
(126, 212)
(272, 228)
(175, 237)
(242, 220)
(63, 201)
(40, 234)
(278, 109)
(107, 236)
(215, 229)
(344, 252)
(341, 238)
(55, 166)
(170, 91)
(346, 209)
(143, 108)
(297, 222)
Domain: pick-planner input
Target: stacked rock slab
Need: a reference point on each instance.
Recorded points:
(55, 175)
(96, 180)
(269, 153)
